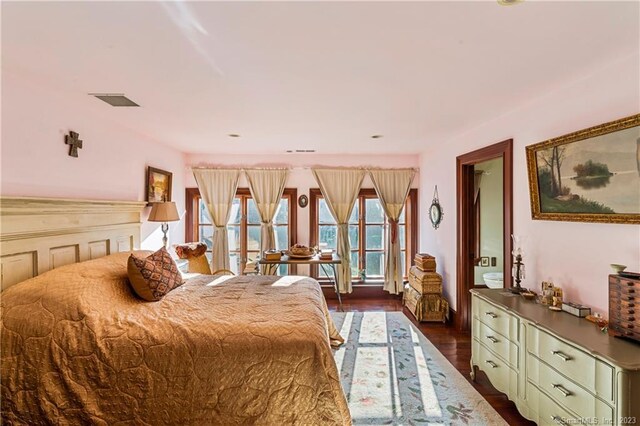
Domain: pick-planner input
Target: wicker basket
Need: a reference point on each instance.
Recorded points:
(425, 282)
(429, 307)
(425, 262)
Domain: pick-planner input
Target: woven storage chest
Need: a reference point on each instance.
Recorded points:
(425, 282)
(427, 307)
(425, 262)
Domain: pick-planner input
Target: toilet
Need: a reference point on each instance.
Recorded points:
(494, 279)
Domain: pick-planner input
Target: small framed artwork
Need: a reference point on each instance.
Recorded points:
(484, 261)
(592, 175)
(158, 185)
(303, 201)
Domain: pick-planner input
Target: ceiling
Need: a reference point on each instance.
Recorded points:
(312, 75)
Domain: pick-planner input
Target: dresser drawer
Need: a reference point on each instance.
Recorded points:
(623, 282)
(501, 376)
(566, 358)
(570, 395)
(627, 316)
(497, 343)
(632, 298)
(550, 413)
(496, 318)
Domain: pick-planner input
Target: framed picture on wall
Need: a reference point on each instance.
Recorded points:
(592, 175)
(158, 187)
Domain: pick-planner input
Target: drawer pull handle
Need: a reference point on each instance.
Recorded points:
(562, 390)
(491, 314)
(492, 339)
(559, 420)
(492, 364)
(561, 355)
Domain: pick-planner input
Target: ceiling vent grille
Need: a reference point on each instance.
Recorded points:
(115, 99)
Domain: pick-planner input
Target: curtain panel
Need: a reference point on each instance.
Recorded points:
(392, 187)
(267, 186)
(218, 189)
(340, 189)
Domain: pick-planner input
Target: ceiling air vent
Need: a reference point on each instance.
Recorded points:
(115, 99)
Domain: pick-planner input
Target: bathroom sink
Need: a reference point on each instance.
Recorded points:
(494, 279)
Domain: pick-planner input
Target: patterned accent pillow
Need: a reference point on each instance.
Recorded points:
(154, 276)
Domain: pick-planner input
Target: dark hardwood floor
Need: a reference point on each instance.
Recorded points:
(454, 345)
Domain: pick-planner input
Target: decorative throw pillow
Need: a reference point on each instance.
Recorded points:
(154, 276)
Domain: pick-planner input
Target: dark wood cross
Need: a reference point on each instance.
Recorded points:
(74, 143)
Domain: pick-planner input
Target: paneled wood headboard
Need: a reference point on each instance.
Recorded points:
(39, 234)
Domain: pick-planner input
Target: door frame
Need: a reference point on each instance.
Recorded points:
(464, 194)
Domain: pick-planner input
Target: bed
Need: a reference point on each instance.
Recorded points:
(77, 346)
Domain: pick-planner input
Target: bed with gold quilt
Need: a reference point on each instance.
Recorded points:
(79, 347)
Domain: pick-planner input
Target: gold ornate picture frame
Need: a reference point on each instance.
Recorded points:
(592, 175)
(158, 185)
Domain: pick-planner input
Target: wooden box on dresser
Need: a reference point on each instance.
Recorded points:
(624, 307)
(556, 368)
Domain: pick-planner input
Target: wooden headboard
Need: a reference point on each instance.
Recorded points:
(39, 234)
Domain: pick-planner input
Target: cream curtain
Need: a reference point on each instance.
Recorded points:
(340, 189)
(267, 186)
(392, 187)
(218, 189)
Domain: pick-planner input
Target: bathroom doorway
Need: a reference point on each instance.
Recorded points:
(485, 222)
(488, 217)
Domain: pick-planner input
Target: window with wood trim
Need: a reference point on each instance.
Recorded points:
(368, 227)
(243, 228)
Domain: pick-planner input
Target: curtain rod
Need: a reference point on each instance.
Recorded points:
(415, 169)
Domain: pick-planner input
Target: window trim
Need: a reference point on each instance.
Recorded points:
(192, 224)
(411, 221)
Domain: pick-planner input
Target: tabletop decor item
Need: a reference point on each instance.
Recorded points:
(624, 306)
(518, 265)
(158, 187)
(556, 304)
(547, 293)
(591, 175)
(576, 309)
(618, 268)
(272, 255)
(435, 210)
(300, 251)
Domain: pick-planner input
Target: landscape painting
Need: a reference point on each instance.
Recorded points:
(158, 187)
(591, 176)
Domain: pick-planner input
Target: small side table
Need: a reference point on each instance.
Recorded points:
(327, 265)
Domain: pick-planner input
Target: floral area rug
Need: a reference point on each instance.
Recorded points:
(392, 374)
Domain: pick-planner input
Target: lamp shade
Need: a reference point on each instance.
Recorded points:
(164, 212)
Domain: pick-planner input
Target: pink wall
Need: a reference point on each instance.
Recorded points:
(111, 164)
(575, 256)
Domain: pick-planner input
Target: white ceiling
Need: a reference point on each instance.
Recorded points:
(312, 75)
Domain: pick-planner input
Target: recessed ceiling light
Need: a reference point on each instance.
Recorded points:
(376, 136)
(509, 2)
(233, 135)
(115, 99)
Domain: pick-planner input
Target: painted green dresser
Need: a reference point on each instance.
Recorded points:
(556, 368)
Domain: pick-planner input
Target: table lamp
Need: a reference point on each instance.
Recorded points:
(164, 212)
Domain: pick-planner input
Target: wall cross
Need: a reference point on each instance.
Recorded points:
(74, 143)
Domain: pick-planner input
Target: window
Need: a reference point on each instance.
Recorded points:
(243, 228)
(368, 227)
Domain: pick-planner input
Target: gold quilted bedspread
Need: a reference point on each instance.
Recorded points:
(78, 347)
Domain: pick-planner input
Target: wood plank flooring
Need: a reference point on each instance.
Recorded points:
(454, 345)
